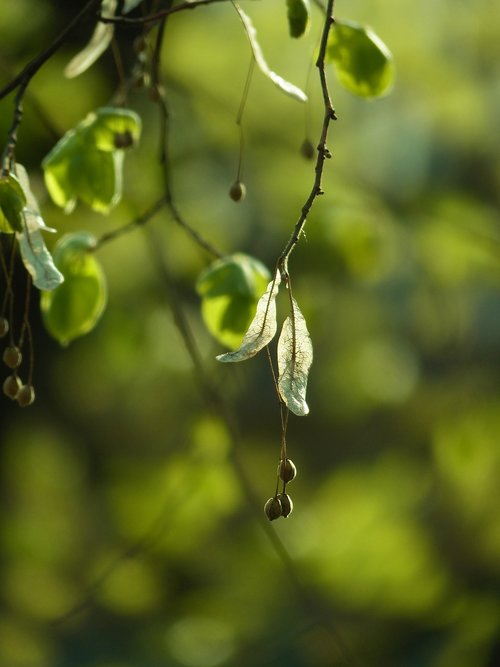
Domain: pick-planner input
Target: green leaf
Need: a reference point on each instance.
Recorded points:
(99, 42)
(34, 254)
(263, 327)
(295, 355)
(12, 203)
(75, 306)
(87, 163)
(363, 62)
(230, 289)
(298, 13)
(115, 129)
(279, 81)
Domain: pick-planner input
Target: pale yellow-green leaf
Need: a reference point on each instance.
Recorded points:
(262, 328)
(279, 81)
(295, 355)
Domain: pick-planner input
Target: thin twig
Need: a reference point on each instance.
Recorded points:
(134, 224)
(164, 157)
(22, 80)
(158, 16)
(323, 152)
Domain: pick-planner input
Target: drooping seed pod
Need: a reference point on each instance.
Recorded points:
(25, 395)
(11, 386)
(286, 504)
(307, 149)
(12, 356)
(273, 509)
(237, 191)
(287, 470)
(4, 327)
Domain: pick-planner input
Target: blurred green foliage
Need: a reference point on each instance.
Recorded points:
(129, 538)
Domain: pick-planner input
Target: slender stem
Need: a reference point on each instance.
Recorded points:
(22, 80)
(158, 16)
(29, 71)
(323, 152)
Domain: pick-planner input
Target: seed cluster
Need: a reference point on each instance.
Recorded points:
(12, 386)
(281, 504)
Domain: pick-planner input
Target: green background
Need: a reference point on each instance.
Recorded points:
(132, 523)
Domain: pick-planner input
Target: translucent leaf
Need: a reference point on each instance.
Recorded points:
(295, 355)
(363, 62)
(230, 288)
(114, 128)
(75, 306)
(262, 328)
(87, 163)
(36, 258)
(12, 202)
(99, 42)
(97, 178)
(298, 13)
(284, 85)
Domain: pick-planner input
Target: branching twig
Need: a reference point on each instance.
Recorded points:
(158, 16)
(134, 224)
(323, 152)
(164, 152)
(24, 77)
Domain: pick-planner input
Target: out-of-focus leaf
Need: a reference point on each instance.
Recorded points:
(262, 328)
(230, 288)
(75, 306)
(363, 62)
(12, 202)
(298, 14)
(87, 162)
(115, 128)
(99, 42)
(295, 355)
(36, 258)
(129, 5)
(285, 86)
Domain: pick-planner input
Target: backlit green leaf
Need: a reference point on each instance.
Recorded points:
(87, 162)
(115, 128)
(99, 42)
(279, 81)
(230, 289)
(363, 62)
(262, 328)
(298, 13)
(75, 306)
(295, 355)
(12, 202)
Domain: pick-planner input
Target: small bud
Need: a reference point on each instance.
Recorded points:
(237, 191)
(286, 504)
(287, 470)
(11, 386)
(4, 327)
(123, 139)
(12, 356)
(273, 509)
(25, 395)
(307, 149)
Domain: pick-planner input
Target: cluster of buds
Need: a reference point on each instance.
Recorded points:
(12, 357)
(281, 504)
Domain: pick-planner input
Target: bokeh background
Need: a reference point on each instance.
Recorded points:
(132, 526)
